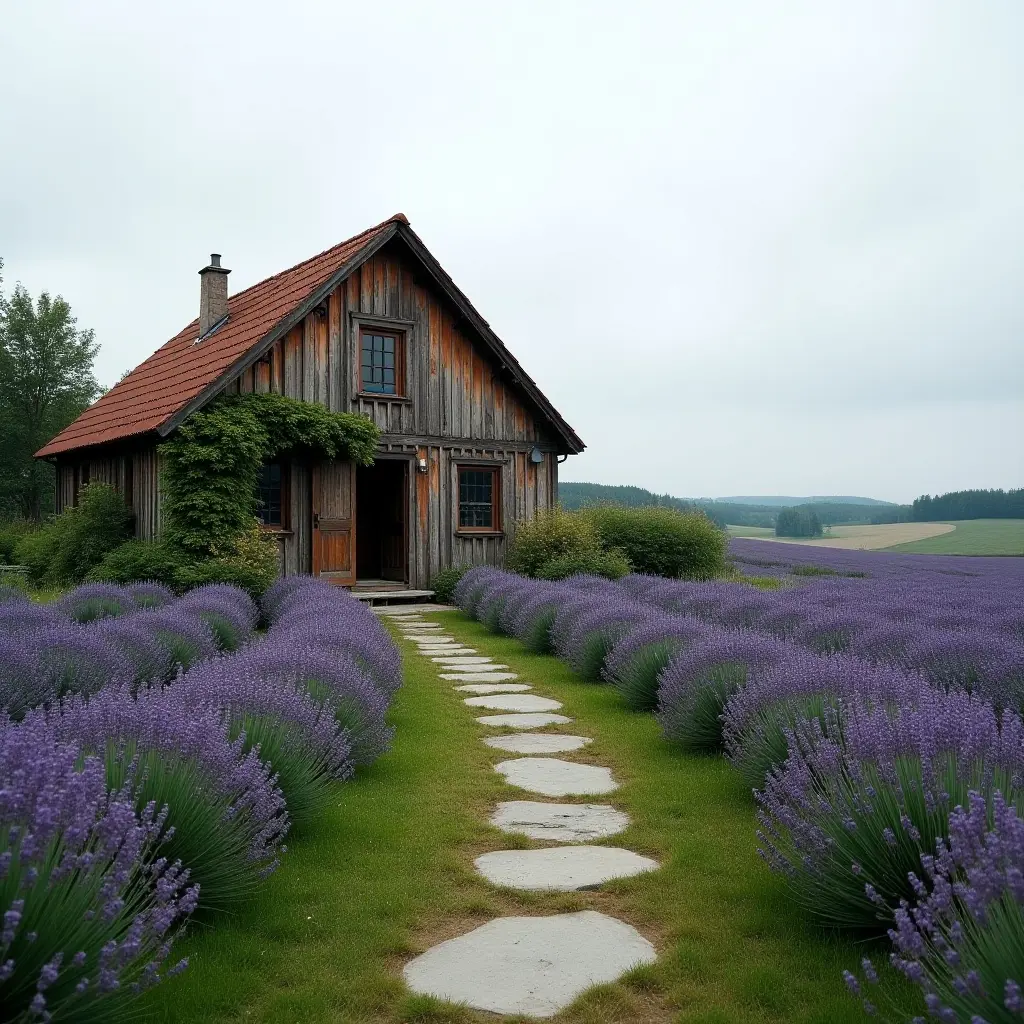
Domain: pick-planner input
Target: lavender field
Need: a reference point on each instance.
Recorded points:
(155, 755)
(872, 702)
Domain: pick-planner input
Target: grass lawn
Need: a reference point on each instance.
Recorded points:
(972, 537)
(756, 532)
(388, 873)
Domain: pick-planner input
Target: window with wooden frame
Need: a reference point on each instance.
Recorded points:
(382, 361)
(479, 499)
(272, 491)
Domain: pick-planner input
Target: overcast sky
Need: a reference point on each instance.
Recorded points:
(759, 248)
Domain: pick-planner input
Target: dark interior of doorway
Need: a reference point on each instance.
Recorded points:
(381, 504)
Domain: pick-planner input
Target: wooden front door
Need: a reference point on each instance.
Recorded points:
(334, 522)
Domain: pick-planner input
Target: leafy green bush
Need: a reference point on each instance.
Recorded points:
(66, 549)
(613, 564)
(445, 582)
(252, 565)
(552, 534)
(12, 532)
(137, 560)
(662, 541)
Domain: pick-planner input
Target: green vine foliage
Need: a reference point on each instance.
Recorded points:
(212, 462)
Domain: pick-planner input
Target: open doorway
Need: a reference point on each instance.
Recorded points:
(381, 518)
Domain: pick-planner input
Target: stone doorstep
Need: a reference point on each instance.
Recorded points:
(561, 868)
(550, 776)
(534, 966)
(514, 702)
(520, 721)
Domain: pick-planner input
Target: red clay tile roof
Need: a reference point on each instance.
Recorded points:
(176, 373)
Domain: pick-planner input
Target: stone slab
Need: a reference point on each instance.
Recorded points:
(550, 776)
(480, 677)
(465, 660)
(514, 702)
(534, 721)
(533, 966)
(474, 669)
(494, 688)
(561, 868)
(559, 823)
(534, 742)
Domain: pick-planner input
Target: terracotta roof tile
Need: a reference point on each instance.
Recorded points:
(179, 371)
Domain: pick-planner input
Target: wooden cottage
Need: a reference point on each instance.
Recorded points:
(373, 326)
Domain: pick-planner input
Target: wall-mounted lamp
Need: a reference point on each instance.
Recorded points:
(421, 465)
(536, 455)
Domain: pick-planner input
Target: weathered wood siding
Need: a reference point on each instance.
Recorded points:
(458, 406)
(135, 473)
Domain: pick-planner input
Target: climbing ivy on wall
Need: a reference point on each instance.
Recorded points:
(212, 462)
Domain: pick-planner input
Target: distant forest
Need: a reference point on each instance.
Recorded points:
(996, 504)
(828, 513)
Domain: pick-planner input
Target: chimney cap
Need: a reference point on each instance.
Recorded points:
(215, 266)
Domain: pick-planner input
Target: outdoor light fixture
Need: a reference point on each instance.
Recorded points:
(421, 464)
(536, 455)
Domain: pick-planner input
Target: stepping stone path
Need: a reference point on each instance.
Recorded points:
(534, 742)
(561, 868)
(560, 823)
(493, 688)
(532, 966)
(551, 777)
(523, 721)
(514, 702)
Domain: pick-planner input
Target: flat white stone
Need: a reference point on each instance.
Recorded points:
(534, 742)
(436, 640)
(446, 652)
(480, 677)
(443, 644)
(513, 702)
(465, 670)
(561, 868)
(534, 966)
(523, 721)
(551, 776)
(560, 823)
(465, 660)
(494, 688)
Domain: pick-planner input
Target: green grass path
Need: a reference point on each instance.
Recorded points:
(388, 873)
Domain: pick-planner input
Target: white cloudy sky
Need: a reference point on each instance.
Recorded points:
(745, 247)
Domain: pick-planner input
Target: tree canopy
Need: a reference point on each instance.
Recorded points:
(46, 381)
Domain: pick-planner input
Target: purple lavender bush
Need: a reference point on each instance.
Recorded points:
(229, 611)
(636, 660)
(185, 637)
(227, 813)
(585, 628)
(91, 904)
(151, 661)
(296, 735)
(149, 594)
(330, 677)
(471, 587)
(535, 615)
(797, 687)
(92, 601)
(12, 595)
(699, 681)
(962, 941)
(862, 797)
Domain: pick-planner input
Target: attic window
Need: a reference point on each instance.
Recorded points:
(382, 362)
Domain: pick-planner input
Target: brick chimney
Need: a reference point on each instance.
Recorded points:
(213, 295)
